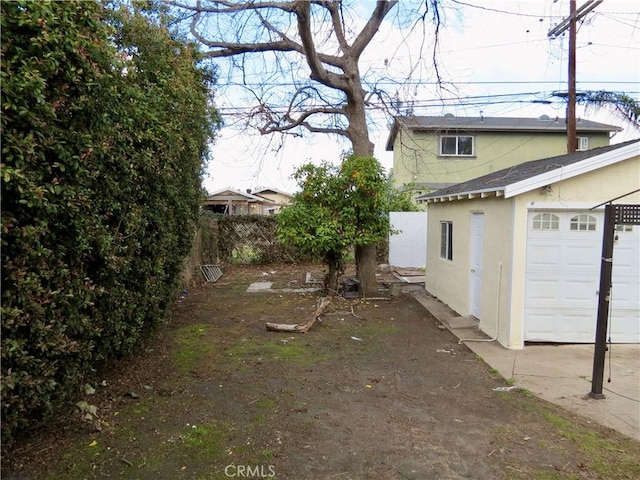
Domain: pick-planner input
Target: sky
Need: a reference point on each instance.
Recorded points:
(496, 60)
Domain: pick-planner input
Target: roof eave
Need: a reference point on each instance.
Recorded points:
(468, 195)
(483, 128)
(572, 170)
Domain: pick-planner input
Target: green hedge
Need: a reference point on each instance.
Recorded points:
(105, 124)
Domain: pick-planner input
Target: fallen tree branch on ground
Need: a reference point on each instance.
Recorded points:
(304, 326)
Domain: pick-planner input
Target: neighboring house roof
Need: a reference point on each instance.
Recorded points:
(263, 190)
(233, 194)
(492, 124)
(535, 174)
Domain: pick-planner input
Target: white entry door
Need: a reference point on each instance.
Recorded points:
(562, 278)
(475, 263)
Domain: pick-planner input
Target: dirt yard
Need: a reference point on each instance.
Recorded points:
(376, 390)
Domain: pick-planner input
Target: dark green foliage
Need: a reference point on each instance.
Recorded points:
(401, 201)
(338, 207)
(105, 126)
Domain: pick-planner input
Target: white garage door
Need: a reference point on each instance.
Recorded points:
(563, 276)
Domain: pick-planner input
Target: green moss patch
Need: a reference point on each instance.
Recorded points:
(193, 346)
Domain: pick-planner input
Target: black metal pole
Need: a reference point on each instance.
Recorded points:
(606, 264)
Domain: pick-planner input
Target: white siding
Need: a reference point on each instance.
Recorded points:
(408, 248)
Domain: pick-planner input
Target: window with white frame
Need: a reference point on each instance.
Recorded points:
(546, 221)
(624, 228)
(446, 240)
(457, 145)
(583, 223)
(582, 144)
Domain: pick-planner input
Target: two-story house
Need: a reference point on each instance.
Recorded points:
(430, 153)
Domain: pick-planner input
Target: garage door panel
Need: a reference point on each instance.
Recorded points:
(544, 257)
(566, 325)
(562, 279)
(543, 325)
(543, 291)
(583, 291)
(580, 256)
(560, 291)
(624, 293)
(626, 259)
(625, 326)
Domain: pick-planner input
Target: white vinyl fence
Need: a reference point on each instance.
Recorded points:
(408, 248)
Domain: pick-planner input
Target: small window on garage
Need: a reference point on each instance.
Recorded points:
(546, 221)
(446, 240)
(624, 228)
(583, 223)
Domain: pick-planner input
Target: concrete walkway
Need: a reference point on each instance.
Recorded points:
(560, 374)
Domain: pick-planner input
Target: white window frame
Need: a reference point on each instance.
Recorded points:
(446, 240)
(545, 221)
(583, 222)
(457, 153)
(582, 144)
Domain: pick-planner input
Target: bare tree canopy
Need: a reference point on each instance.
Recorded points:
(313, 46)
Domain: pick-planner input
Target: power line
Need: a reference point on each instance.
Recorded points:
(505, 12)
(434, 83)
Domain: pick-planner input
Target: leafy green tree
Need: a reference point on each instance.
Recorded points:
(106, 119)
(401, 201)
(337, 208)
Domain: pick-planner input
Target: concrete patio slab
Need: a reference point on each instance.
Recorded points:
(558, 373)
(259, 287)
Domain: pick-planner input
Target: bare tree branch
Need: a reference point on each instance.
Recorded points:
(318, 72)
(372, 26)
(224, 7)
(336, 21)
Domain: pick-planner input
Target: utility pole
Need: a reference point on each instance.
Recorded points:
(572, 139)
(571, 23)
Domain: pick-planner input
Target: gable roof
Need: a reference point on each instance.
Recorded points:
(263, 190)
(492, 124)
(234, 194)
(528, 176)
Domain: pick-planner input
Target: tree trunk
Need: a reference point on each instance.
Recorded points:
(335, 262)
(366, 263)
(331, 280)
(358, 132)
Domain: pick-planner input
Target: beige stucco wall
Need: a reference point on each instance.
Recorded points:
(416, 160)
(449, 280)
(279, 199)
(504, 244)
